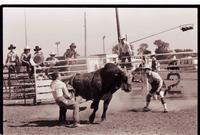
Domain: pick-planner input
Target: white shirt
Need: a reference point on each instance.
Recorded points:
(124, 48)
(11, 57)
(59, 89)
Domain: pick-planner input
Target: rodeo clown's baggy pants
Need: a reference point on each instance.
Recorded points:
(65, 104)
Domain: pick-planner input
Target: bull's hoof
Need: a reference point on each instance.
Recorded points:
(103, 119)
(91, 120)
(145, 109)
(92, 106)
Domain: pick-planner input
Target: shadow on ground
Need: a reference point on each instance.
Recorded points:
(49, 123)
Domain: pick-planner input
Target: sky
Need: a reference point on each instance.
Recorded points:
(45, 26)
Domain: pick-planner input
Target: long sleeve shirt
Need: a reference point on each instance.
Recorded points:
(124, 48)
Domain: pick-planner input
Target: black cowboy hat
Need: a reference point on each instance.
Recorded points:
(72, 45)
(37, 48)
(11, 47)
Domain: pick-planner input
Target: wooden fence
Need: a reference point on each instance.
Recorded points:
(19, 86)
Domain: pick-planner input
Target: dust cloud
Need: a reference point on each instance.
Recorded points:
(123, 101)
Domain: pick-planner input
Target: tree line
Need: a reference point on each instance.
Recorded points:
(162, 47)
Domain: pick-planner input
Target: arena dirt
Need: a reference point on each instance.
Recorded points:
(124, 117)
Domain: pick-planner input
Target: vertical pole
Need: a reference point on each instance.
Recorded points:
(57, 43)
(25, 27)
(118, 25)
(85, 34)
(35, 80)
(104, 44)
(24, 92)
(9, 83)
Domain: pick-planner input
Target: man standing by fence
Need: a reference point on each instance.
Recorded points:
(124, 52)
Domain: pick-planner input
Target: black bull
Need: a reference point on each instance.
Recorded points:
(100, 85)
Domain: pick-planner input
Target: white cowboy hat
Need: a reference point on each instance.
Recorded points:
(123, 37)
(153, 53)
(147, 66)
(52, 53)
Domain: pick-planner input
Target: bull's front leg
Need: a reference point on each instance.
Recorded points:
(95, 106)
(105, 107)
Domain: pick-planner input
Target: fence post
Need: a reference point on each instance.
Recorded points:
(24, 91)
(9, 83)
(35, 98)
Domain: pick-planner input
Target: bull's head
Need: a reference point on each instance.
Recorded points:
(126, 80)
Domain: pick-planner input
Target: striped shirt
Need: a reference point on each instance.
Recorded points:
(25, 57)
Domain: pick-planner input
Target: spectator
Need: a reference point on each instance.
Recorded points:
(144, 61)
(50, 62)
(124, 52)
(25, 60)
(155, 64)
(71, 53)
(38, 56)
(12, 60)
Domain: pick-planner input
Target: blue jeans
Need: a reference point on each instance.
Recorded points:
(65, 104)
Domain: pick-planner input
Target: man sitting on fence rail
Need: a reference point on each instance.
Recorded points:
(64, 99)
(50, 62)
(25, 59)
(12, 60)
(71, 52)
(38, 56)
(156, 83)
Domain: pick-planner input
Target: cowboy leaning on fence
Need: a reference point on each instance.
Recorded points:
(124, 52)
